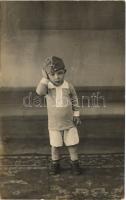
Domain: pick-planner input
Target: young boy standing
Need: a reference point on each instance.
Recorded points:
(63, 112)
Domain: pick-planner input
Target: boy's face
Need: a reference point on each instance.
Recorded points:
(57, 77)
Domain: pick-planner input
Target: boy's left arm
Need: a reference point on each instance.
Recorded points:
(75, 106)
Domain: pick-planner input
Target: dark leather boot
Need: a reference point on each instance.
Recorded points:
(76, 170)
(55, 168)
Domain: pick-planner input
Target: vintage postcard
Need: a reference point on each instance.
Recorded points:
(62, 100)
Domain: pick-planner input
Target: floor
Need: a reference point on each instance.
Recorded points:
(26, 176)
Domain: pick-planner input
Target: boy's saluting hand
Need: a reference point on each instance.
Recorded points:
(44, 74)
(76, 120)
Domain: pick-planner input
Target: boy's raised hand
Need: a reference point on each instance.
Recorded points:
(44, 74)
(76, 120)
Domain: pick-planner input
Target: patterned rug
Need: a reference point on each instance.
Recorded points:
(27, 177)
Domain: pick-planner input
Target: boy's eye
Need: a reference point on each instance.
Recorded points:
(60, 73)
(52, 74)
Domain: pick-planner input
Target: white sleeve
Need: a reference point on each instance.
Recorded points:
(42, 88)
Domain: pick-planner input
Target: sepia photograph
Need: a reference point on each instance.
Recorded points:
(62, 100)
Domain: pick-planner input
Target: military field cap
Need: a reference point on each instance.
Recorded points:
(53, 64)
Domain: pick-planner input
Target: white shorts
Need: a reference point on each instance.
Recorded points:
(67, 136)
